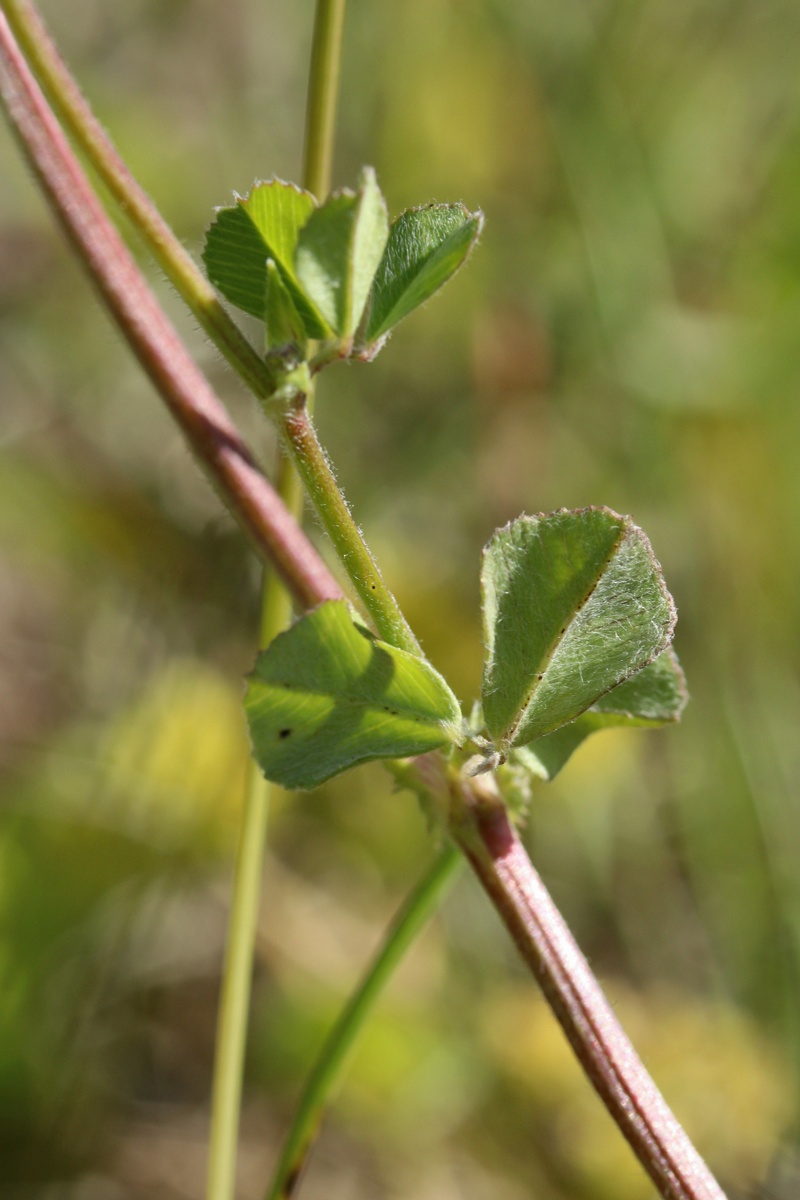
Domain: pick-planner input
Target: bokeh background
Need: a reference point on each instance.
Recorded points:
(628, 333)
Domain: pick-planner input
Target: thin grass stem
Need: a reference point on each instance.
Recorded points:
(323, 95)
(276, 611)
(327, 1071)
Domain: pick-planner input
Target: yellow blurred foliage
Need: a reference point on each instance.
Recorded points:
(725, 1081)
(176, 758)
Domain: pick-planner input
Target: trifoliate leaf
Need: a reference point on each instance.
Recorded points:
(264, 225)
(425, 247)
(573, 604)
(338, 253)
(326, 695)
(655, 696)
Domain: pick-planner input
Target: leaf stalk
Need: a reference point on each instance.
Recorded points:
(300, 440)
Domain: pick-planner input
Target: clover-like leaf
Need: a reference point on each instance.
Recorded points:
(655, 696)
(326, 695)
(426, 247)
(338, 252)
(573, 604)
(263, 225)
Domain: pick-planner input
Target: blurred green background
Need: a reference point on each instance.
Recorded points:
(628, 333)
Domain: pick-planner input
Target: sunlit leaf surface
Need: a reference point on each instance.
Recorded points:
(326, 695)
(655, 696)
(573, 604)
(263, 225)
(425, 247)
(338, 252)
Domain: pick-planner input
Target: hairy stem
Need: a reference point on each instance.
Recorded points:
(330, 1063)
(197, 410)
(301, 441)
(481, 827)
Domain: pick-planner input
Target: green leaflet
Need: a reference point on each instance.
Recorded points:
(573, 604)
(264, 225)
(348, 276)
(284, 324)
(425, 247)
(655, 696)
(326, 695)
(338, 252)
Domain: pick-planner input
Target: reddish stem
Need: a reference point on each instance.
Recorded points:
(171, 255)
(201, 416)
(481, 827)
(479, 823)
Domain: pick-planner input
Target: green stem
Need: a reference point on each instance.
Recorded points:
(301, 441)
(312, 465)
(327, 1070)
(226, 1093)
(226, 1099)
(323, 93)
(234, 1009)
(298, 432)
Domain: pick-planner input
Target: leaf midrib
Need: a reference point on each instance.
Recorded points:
(507, 739)
(392, 710)
(399, 710)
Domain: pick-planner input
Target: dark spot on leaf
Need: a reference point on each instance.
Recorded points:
(284, 733)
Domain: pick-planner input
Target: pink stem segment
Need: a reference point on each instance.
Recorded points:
(197, 410)
(482, 829)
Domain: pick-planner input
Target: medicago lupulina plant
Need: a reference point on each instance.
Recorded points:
(577, 618)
